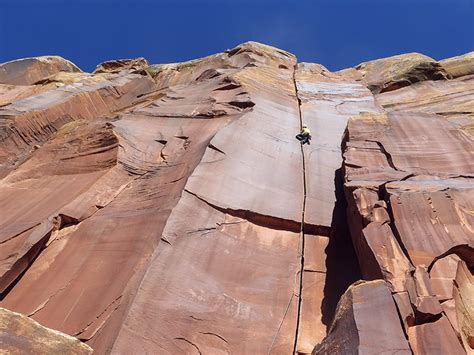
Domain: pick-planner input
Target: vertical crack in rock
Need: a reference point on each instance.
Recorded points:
(385, 196)
(102, 163)
(302, 231)
(281, 322)
(342, 265)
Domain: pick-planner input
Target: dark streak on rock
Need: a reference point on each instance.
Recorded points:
(189, 342)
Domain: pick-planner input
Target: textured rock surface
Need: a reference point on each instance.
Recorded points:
(354, 329)
(392, 73)
(409, 185)
(168, 208)
(29, 71)
(459, 66)
(464, 304)
(116, 66)
(22, 335)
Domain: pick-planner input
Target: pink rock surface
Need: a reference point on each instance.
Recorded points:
(437, 337)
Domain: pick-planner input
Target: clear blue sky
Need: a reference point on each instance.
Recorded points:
(336, 33)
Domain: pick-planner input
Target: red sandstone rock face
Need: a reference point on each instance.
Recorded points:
(409, 186)
(169, 209)
(355, 330)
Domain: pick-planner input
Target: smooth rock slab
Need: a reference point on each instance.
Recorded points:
(431, 223)
(216, 284)
(311, 328)
(366, 322)
(257, 158)
(327, 103)
(434, 338)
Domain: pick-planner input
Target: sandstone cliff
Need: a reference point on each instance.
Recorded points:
(168, 208)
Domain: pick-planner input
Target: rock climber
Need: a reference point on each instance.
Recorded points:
(305, 135)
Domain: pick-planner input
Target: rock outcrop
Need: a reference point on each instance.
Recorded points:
(463, 322)
(168, 208)
(354, 329)
(116, 66)
(459, 66)
(392, 73)
(29, 71)
(22, 335)
(409, 185)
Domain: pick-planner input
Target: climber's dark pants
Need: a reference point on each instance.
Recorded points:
(303, 138)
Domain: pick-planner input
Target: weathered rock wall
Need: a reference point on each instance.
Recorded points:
(409, 187)
(169, 209)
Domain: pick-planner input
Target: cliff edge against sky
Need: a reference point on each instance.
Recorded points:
(153, 209)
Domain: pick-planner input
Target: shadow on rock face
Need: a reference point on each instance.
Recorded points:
(341, 261)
